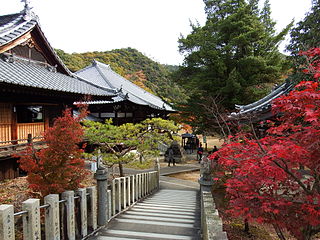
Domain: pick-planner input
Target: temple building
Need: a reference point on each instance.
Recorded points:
(261, 109)
(256, 113)
(133, 104)
(35, 86)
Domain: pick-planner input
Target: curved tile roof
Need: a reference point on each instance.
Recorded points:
(19, 71)
(15, 25)
(263, 104)
(24, 73)
(102, 75)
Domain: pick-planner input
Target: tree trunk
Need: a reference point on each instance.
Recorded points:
(308, 232)
(246, 226)
(279, 232)
(121, 170)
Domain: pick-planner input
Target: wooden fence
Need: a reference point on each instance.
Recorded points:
(75, 214)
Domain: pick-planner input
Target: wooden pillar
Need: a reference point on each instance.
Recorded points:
(46, 119)
(14, 125)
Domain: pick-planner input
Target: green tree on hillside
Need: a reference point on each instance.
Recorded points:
(234, 57)
(132, 63)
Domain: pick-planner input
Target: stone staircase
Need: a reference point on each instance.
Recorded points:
(168, 214)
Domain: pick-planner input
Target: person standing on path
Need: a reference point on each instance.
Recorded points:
(170, 157)
(200, 152)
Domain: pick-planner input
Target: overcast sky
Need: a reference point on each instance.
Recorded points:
(151, 26)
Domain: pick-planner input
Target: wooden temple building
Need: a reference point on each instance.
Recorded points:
(35, 86)
(133, 104)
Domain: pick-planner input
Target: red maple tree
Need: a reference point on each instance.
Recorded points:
(276, 179)
(58, 167)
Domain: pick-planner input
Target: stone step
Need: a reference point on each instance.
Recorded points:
(156, 218)
(156, 223)
(115, 238)
(139, 206)
(168, 202)
(164, 211)
(133, 235)
(151, 227)
(174, 206)
(155, 214)
(168, 214)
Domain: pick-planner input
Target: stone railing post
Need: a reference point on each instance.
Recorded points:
(31, 221)
(52, 222)
(146, 184)
(123, 192)
(113, 196)
(205, 179)
(6, 222)
(117, 192)
(143, 184)
(136, 182)
(69, 197)
(82, 193)
(109, 204)
(128, 179)
(92, 211)
(139, 184)
(101, 176)
(157, 169)
(133, 188)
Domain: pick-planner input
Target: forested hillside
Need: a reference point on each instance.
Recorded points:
(133, 65)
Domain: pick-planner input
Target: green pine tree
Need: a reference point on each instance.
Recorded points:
(236, 48)
(306, 33)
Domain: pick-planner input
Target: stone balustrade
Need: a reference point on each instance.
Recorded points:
(211, 223)
(77, 214)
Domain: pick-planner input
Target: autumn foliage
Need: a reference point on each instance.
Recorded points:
(58, 167)
(276, 179)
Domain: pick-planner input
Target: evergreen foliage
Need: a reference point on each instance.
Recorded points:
(116, 143)
(134, 66)
(234, 55)
(306, 33)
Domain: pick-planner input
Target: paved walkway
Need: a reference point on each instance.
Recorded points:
(171, 213)
(164, 171)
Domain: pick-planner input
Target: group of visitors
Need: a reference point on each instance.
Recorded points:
(200, 152)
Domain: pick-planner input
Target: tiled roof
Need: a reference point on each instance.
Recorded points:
(21, 72)
(102, 75)
(16, 25)
(262, 105)
(89, 117)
